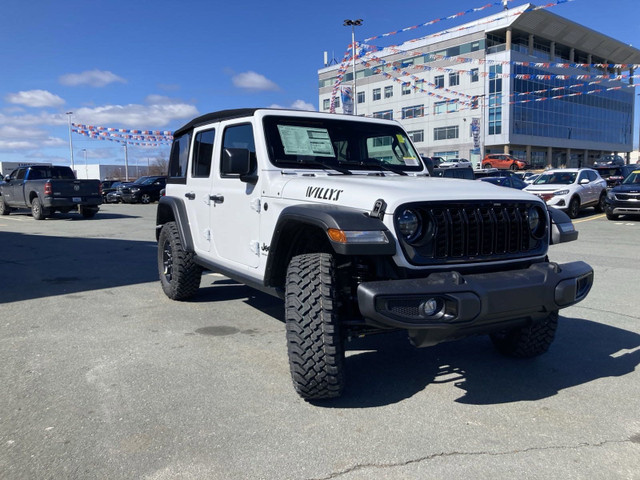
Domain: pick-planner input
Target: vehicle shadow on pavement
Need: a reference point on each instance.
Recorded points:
(39, 266)
(387, 369)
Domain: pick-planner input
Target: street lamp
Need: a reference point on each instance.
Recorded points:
(353, 24)
(86, 169)
(70, 141)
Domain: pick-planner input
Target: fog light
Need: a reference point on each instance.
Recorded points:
(431, 307)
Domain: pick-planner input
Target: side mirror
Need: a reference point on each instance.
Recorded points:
(238, 161)
(584, 181)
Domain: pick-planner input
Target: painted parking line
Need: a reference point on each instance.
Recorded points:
(595, 217)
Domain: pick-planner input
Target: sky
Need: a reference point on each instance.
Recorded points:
(156, 65)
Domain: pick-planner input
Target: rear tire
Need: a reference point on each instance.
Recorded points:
(487, 165)
(38, 212)
(87, 212)
(179, 274)
(602, 202)
(314, 338)
(528, 341)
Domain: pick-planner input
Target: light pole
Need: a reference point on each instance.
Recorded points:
(353, 24)
(86, 169)
(70, 141)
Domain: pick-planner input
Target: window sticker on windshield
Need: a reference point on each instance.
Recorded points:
(411, 161)
(400, 138)
(306, 141)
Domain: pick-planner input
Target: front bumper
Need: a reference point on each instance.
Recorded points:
(449, 305)
(130, 197)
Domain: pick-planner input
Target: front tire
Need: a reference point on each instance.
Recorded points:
(314, 338)
(179, 274)
(612, 216)
(528, 341)
(145, 198)
(4, 208)
(574, 208)
(514, 166)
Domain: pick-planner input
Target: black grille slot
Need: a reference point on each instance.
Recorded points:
(474, 232)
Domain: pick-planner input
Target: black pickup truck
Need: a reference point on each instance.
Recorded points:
(46, 189)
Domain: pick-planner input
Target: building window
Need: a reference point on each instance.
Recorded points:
(495, 100)
(413, 112)
(336, 102)
(406, 88)
(474, 75)
(360, 97)
(326, 104)
(376, 94)
(445, 133)
(445, 107)
(419, 86)
(386, 114)
(388, 91)
(454, 79)
(416, 136)
(439, 81)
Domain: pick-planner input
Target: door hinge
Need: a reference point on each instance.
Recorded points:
(254, 246)
(255, 204)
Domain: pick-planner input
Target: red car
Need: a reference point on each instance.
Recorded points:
(502, 160)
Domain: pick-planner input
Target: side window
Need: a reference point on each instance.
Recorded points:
(592, 176)
(202, 154)
(582, 176)
(20, 174)
(179, 158)
(238, 137)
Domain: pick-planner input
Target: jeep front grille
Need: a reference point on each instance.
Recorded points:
(474, 232)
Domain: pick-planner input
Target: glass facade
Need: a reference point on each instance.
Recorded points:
(578, 117)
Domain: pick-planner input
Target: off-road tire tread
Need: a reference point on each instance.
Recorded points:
(4, 208)
(314, 341)
(186, 274)
(528, 341)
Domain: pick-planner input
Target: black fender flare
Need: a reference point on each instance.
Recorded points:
(171, 209)
(323, 217)
(562, 229)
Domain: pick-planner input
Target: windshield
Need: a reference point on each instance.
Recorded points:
(142, 180)
(556, 178)
(295, 142)
(633, 178)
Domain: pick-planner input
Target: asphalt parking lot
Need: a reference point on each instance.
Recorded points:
(103, 377)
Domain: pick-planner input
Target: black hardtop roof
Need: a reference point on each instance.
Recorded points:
(215, 117)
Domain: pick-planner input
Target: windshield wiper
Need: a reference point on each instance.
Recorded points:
(379, 163)
(322, 164)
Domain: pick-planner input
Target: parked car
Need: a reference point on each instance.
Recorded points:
(524, 176)
(609, 160)
(502, 160)
(109, 186)
(143, 190)
(624, 199)
(455, 163)
(571, 189)
(465, 173)
(46, 189)
(493, 172)
(507, 181)
(615, 174)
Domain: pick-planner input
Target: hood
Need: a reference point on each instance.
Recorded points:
(629, 188)
(362, 191)
(545, 188)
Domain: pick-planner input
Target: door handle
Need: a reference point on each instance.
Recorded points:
(216, 198)
(190, 195)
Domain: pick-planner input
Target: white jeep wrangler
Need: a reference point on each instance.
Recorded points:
(338, 216)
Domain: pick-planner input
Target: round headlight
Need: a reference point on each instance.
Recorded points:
(409, 224)
(536, 222)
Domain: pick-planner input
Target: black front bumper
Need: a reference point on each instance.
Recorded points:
(449, 305)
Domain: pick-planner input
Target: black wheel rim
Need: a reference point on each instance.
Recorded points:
(167, 261)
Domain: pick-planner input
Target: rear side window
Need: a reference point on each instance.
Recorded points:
(202, 154)
(179, 158)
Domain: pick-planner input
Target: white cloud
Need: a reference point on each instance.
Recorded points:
(35, 98)
(134, 115)
(254, 81)
(93, 78)
(297, 105)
